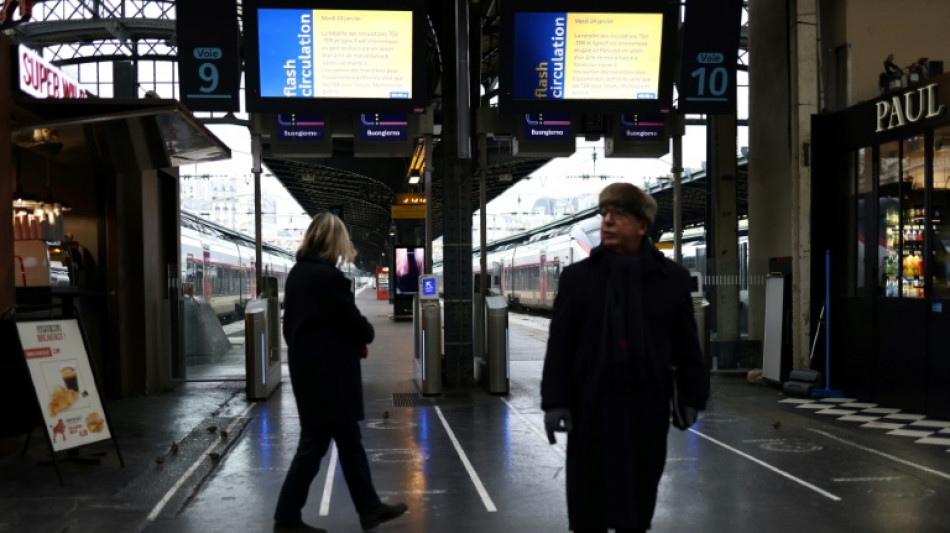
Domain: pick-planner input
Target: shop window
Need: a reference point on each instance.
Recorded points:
(889, 224)
(940, 205)
(861, 194)
(914, 217)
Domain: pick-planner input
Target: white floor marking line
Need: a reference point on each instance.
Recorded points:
(486, 499)
(770, 467)
(191, 470)
(328, 483)
(862, 479)
(534, 429)
(884, 455)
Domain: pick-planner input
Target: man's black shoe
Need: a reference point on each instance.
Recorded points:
(298, 526)
(383, 513)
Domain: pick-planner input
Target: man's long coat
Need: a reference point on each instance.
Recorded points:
(620, 409)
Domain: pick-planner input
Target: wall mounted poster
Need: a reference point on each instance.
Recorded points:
(64, 383)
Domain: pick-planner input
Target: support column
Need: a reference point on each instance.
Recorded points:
(722, 255)
(457, 206)
(258, 252)
(805, 98)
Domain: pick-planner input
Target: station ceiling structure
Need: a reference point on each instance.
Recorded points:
(140, 34)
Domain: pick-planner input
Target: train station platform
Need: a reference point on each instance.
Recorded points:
(468, 461)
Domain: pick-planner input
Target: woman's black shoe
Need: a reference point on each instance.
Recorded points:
(383, 513)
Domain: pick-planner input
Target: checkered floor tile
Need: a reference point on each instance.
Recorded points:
(869, 415)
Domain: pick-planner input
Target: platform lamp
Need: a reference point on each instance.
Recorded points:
(417, 164)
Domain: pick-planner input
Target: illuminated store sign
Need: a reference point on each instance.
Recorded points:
(41, 79)
(908, 108)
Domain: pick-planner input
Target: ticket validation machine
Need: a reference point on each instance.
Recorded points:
(427, 327)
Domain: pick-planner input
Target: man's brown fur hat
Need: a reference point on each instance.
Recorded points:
(631, 198)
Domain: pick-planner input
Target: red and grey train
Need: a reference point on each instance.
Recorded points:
(218, 265)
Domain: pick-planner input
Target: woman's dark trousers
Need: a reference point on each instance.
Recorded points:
(306, 463)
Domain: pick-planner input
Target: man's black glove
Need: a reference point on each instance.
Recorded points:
(557, 419)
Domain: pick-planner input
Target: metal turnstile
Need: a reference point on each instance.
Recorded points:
(427, 329)
(262, 342)
(498, 359)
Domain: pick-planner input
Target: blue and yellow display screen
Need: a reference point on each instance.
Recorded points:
(586, 56)
(335, 53)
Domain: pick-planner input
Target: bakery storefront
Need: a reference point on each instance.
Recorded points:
(89, 218)
(881, 215)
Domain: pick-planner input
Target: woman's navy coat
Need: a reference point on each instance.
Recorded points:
(324, 332)
(620, 410)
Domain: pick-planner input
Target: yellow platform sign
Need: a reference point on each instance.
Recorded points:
(408, 211)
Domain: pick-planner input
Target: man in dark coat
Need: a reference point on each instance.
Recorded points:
(326, 337)
(621, 318)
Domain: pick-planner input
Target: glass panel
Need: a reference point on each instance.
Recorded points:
(864, 172)
(940, 278)
(914, 218)
(889, 218)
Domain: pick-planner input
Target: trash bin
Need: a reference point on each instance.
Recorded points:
(498, 359)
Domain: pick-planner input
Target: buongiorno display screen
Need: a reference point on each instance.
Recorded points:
(353, 52)
(587, 57)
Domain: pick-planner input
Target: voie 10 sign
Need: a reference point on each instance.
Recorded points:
(556, 59)
(711, 34)
(353, 56)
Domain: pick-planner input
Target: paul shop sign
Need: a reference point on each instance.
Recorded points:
(907, 108)
(40, 79)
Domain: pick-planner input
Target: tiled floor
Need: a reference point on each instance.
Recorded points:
(869, 415)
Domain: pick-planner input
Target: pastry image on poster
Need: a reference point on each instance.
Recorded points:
(64, 384)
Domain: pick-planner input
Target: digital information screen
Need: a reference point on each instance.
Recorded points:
(586, 56)
(410, 264)
(335, 53)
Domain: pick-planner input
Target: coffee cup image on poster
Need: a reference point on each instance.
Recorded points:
(64, 386)
(335, 53)
(586, 56)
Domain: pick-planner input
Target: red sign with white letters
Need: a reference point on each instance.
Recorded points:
(41, 79)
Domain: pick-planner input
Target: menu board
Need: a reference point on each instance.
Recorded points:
(64, 383)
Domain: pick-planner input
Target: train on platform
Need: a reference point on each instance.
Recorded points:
(526, 268)
(218, 265)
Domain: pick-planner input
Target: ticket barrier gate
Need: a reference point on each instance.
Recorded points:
(497, 357)
(427, 329)
(262, 342)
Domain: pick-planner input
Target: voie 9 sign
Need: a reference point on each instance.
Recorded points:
(40, 79)
(358, 55)
(557, 58)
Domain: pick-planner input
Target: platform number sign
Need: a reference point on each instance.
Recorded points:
(710, 51)
(209, 63)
